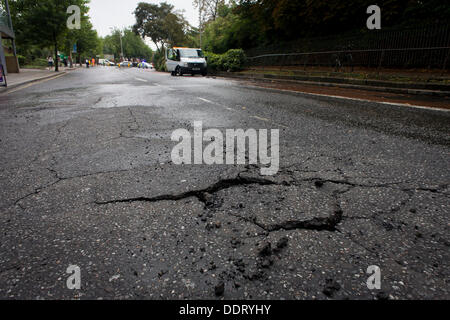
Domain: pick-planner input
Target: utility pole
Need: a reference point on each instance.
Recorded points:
(200, 11)
(121, 45)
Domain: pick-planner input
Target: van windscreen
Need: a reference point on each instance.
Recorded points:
(191, 53)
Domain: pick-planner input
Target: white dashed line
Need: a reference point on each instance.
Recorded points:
(234, 110)
(139, 79)
(164, 87)
(205, 100)
(259, 118)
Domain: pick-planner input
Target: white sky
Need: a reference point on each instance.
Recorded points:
(106, 14)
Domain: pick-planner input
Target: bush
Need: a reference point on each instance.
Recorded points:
(159, 60)
(231, 61)
(21, 59)
(234, 60)
(40, 62)
(214, 61)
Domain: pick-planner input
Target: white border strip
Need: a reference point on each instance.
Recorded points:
(355, 99)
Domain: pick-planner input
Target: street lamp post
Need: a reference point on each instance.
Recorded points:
(121, 45)
(200, 11)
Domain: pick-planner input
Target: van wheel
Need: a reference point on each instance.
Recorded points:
(178, 71)
(173, 74)
(204, 74)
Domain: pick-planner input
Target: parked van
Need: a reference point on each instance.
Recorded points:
(180, 61)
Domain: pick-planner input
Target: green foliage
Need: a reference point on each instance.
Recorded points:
(21, 60)
(229, 30)
(214, 61)
(160, 23)
(87, 40)
(159, 60)
(42, 24)
(231, 61)
(234, 60)
(192, 39)
(133, 45)
(248, 23)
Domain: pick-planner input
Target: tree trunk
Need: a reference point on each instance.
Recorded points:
(70, 55)
(56, 54)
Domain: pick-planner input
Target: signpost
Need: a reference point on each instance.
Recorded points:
(2, 76)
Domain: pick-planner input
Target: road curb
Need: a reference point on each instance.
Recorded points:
(302, 93)
(17, 85)
(368, 87)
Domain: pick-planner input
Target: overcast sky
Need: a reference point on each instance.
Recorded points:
(106, 14)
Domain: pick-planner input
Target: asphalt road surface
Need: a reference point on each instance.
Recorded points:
(87, 179)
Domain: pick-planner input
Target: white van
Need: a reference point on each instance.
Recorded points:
(180, 61)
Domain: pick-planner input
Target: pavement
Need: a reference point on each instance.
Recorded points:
(27, 76)
(87, 179)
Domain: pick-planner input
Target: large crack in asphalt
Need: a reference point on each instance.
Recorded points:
(201, 194)
(329, 223)
(204, 195)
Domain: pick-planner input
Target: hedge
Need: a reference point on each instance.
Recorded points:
(231, 61)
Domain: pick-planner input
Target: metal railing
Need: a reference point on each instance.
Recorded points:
(426, 47)
(431, 58)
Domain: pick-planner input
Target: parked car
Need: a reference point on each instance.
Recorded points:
(145, 65)
(125, 64)
(109, 63)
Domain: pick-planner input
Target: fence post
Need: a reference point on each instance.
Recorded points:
(445, 62)
(381, 61)
(282, 62)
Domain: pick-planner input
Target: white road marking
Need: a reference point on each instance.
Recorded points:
(260, 118)
(205, 100)
(139, 79)
(217, 104)
(234, 110)
(165, 87)
(280, 125)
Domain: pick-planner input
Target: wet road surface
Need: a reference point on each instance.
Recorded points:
(87, 179)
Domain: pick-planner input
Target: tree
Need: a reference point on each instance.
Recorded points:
(133, 45)
(160, 23)
(87, 40)
(209, 9)
(44, 22)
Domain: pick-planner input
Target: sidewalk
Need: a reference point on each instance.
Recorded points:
(27, 76)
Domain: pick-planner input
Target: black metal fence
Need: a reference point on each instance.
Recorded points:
(427, 47)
